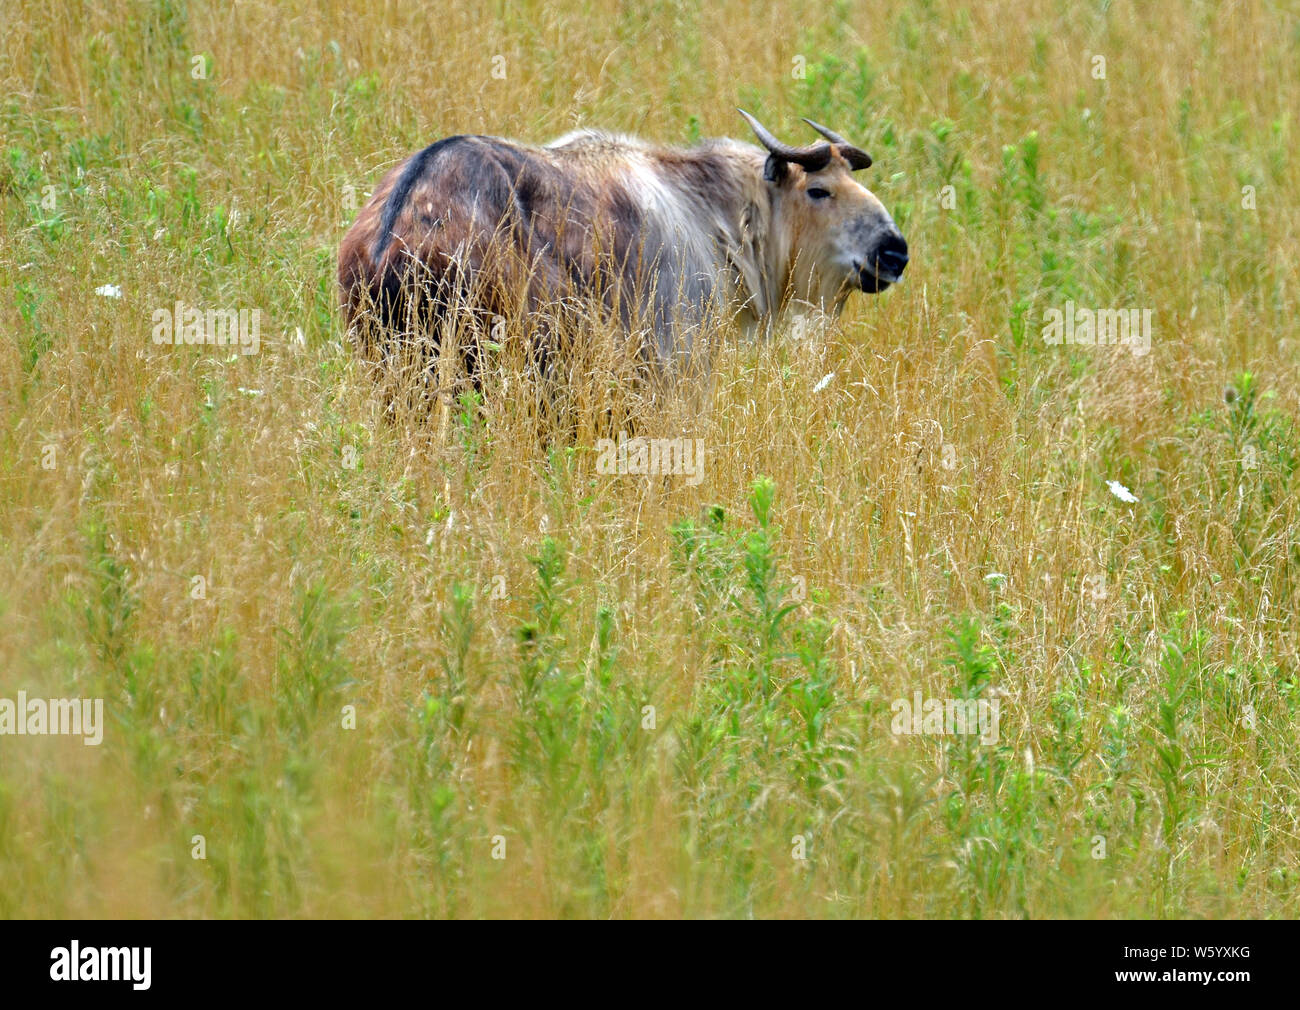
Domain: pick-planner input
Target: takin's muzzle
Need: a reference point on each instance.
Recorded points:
(884, 264)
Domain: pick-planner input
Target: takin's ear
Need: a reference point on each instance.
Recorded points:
(776, 169)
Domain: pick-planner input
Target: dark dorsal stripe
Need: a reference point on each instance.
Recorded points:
(401, 192)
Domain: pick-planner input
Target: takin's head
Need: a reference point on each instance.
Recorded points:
(840, 237)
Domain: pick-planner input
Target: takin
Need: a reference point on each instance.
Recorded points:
(660, 239)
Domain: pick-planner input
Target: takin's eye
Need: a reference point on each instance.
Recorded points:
(817, 193)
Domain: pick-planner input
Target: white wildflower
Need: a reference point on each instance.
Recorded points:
(1121, 492)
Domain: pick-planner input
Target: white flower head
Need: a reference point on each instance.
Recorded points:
(1121, 492)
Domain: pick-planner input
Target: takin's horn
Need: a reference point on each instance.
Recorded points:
(814, 158)
(855, 156)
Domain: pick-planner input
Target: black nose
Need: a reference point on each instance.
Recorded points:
(890, 256)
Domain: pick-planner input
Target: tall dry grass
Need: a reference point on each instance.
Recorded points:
(500, 615)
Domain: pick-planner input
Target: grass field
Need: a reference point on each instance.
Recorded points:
(355, 667)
